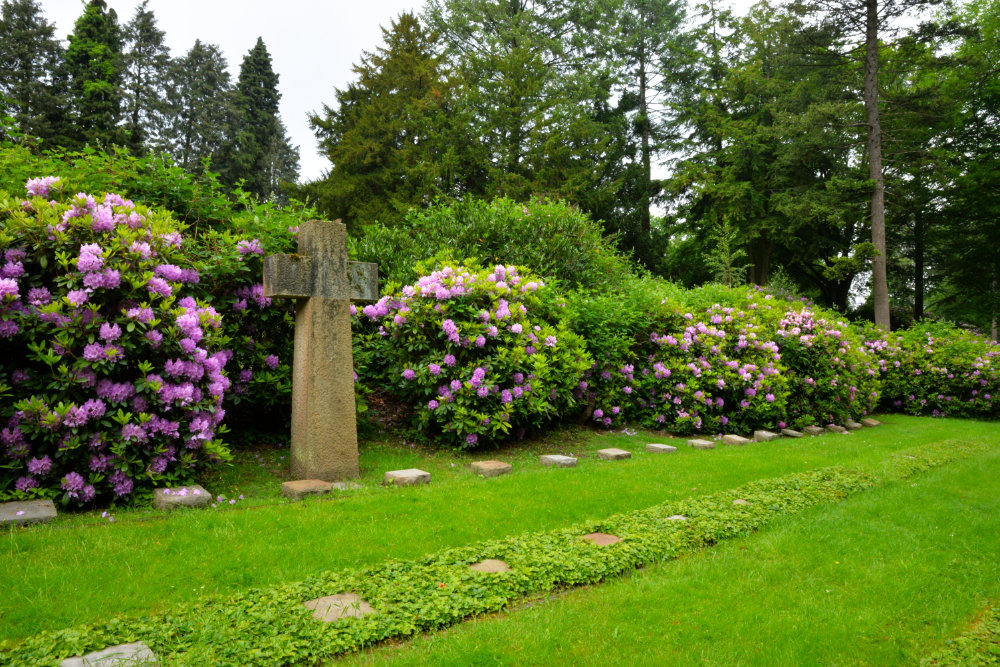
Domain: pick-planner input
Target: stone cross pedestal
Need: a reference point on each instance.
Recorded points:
(324, 430)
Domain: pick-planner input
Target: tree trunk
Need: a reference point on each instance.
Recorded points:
(880, 282)
(918, 267)
(760, 259)
(647, 173)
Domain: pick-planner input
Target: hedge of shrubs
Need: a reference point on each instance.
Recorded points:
(128, 336)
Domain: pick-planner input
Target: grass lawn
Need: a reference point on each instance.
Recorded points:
(884, 578)
(82, 568)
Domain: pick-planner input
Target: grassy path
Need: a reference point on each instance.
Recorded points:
(75, 572)
(884, 578)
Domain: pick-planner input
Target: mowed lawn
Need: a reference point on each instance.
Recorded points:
(83, 569)
(884, 578)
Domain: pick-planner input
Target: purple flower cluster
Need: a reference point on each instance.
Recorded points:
(92, 322)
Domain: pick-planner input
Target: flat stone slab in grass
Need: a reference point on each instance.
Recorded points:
(490, 566)
(613, 454)
(814, 430)
(677, 517)
(181, 496)
(740, 501)
(491, 468)
(735, 440)
(408, 477)
(701, 444)
(23, 512)
(557, 460)
(791, 433)
(870, 423)
(656, 448)
(853, 425)
(302, 488)
(765, 436)
(836, 428)
(117, 656)
(334, 607)
(601, 539)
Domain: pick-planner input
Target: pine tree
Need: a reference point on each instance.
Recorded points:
(198, 97)
(30, 77)
(146, 64)
(94, 65)
(256, 129)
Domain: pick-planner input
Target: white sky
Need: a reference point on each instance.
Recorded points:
(312, 44)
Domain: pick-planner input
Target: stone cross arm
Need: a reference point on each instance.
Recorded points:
(320, 269)
(296, 276)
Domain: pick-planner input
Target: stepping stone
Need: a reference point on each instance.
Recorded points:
(23, 512)
(701, 444)
(491, 468)
(735, 440)
(814, 430)
(740, 501)
(181, 496)
(870, 423)
(853, 425)
(557, 460)
(765, 436)
(490, 566)
(114, 656)
(790, 433)
(302, 488)
(834, 428)
(677, 517)
(613, 454)
(408, 477)
(334, 607)
(601, 539)
(656, 448)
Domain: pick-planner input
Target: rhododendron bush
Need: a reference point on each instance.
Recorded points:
(749, 363)
(112, 372)
(481, 355)
(939, 370)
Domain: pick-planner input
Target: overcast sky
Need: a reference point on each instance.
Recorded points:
(312, 44)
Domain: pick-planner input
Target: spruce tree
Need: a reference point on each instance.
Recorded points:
(30, 60)
(256, 129)
(390, 137)
(94, 65)
(146, 64)
(198, 95)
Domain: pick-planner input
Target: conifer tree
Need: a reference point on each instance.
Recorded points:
(256, 130)
(146, 64)
(198, 95)
(30, 75)
(391, 139)
(94, 65)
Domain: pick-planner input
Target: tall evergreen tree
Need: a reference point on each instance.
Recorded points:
(648, 39)
(94, 65)
(146, 64)
(256, 128)
(392, 140)
(863, 26)
(31, 89)
(198, 98)
(535, 78)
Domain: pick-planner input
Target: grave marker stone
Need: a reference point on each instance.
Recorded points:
(23, 512)
(323, 281)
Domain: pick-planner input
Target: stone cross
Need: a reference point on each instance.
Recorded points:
(320, 277)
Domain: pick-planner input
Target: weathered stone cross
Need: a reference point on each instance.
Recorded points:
(324, 430)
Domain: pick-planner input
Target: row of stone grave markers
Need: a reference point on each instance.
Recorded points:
(331, 608)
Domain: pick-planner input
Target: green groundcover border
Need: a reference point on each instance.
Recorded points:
(269, 626)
